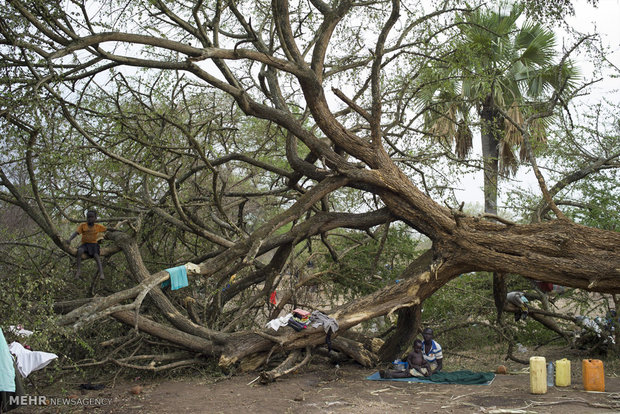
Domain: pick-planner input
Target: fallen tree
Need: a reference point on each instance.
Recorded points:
(418, 284)
(158, 172)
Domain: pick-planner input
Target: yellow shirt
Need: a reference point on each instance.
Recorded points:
(89, 234)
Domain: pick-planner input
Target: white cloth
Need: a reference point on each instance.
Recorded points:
(277, 323)
(18, 330)
(28, 361)
(192, 268)
(419, 372)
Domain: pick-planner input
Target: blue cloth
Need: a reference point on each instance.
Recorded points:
(377, 377)
(178, 278)
(456, 377)
(7, 371)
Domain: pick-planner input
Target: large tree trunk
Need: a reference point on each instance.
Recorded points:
(409, 318)
(559, 250)
(407, 328)
(490, 136)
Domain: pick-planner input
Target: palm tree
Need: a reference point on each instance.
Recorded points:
(496, 67)
(498, 74)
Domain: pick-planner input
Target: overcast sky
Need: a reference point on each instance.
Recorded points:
(605, 19)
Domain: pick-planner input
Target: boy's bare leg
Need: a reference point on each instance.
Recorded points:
(93, 285)
(99, 266)
(390, 373)
(399, 374)
(78, 273)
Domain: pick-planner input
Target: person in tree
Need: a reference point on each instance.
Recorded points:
(519, 300)
(432, 351)
(417, 365)
(91, 233)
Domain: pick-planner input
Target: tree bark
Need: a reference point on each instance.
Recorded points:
(559, 250)
(499, 293)
(407, 328)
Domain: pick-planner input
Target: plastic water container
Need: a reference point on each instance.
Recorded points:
(562, 373)
(593, 375)
(550, 374)
(538, 375)
(400, 365)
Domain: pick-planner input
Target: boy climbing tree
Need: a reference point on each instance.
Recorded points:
(90, 232)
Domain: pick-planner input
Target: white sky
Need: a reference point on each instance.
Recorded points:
(606, 20)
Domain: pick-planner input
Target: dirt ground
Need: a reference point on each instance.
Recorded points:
(325, 388)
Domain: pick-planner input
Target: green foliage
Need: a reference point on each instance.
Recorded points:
(580, 157)
(532, 334)
(368, 263)
(465, 309)
(602, 202)
(31, 285)
(468, 296)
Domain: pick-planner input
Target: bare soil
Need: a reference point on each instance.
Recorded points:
(322, 387)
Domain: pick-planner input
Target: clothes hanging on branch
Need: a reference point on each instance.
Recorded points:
(28, 361)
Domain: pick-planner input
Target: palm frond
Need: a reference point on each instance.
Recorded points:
(507, 161)
(498, 97)
(538, 130)
(512, 136)
(464, 140)
(535, 44)
(565, 76)
(538, 134)
(443, 126)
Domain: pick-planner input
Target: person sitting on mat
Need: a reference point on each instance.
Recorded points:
(417, 365)
(432, 351)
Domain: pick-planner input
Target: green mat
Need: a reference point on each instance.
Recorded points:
(456, 377)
